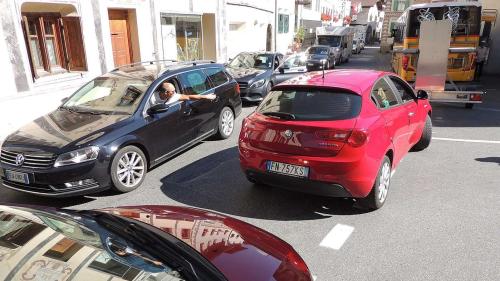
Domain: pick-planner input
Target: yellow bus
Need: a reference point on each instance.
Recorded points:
(465, 36)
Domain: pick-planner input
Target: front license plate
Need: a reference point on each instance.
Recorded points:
(310, 64)
(287, 169)
(17, 176)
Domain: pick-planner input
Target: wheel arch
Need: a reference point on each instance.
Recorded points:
(131, 141)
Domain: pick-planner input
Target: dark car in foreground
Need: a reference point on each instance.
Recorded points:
(320, 57)
(140, 243)
(340, 135)
(111, 131)
(253, 72)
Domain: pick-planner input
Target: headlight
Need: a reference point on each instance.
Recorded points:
(258, 83)
(337, 49)
(78, 156)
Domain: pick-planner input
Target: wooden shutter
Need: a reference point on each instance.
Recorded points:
(73, 41)
(24, 22)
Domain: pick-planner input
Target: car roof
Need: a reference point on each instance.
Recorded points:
(338, 79)
(320, 46)
(260, 53)
(151, 70)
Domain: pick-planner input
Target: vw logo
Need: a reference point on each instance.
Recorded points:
(288, 134)
(19, 159)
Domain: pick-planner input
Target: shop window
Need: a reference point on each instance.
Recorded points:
(181, 37)
(283, 23)
(54, 43)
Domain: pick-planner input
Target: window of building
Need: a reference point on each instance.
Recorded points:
(182, 37)
(283, 23)
(54, 43)
(400, 5)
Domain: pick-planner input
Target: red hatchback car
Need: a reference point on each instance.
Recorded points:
(337, 135)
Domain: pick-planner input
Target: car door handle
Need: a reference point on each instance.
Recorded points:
(188, 110)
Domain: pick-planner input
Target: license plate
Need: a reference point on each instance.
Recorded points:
(463, 96)
(287, 169)
(17, 177)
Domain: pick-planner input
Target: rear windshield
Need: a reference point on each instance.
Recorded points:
(311, 104)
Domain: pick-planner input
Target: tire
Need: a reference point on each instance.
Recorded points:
(225, 126)
(469, 105)
(334, 64)
(132, 175)
(377, 197)
(425, 139)
(347, 60)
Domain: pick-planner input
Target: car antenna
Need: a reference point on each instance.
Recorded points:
(323, 62)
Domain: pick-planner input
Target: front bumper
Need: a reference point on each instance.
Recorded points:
(250, 94)
(314, 65)
(51, 182)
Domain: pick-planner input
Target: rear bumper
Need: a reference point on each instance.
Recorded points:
(349, 174)
(298, 184)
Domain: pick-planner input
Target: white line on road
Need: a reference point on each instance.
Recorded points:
(337, 236)
(465, 140)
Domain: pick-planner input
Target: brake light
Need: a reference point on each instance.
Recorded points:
(357, 138)
(335, 135)
(293, 258)
(238, 91)
(406, 60)
(475, 97)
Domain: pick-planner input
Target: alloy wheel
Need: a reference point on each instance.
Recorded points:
(227, 122)
(130, 169)
(384, 181)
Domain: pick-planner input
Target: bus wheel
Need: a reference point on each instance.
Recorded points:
(469, 105)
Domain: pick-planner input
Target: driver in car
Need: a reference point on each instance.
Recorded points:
(168, 95)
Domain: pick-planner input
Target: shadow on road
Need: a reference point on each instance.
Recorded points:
(455, 115)
(489, 160)
(217, 183)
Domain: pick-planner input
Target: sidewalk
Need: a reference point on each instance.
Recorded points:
(16, 111)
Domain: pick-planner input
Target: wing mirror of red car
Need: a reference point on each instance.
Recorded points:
(422, 95)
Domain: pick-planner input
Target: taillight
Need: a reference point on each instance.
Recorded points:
(475, 97)
(237, 88)
(406, 60)
(334, 135)
(357, 138)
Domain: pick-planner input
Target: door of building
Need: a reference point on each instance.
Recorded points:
(120, 36)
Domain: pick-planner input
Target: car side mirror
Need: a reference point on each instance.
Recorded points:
(157, 108)
(281, 69)
(64, 100)
(422, 95)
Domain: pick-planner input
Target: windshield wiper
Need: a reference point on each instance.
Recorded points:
(281, 115)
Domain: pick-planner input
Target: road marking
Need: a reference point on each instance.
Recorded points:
(465, 140)
(337, 236)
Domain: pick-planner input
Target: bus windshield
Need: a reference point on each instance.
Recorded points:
(466, 20)
(329, 40)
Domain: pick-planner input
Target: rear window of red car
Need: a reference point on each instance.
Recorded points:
(311, 104)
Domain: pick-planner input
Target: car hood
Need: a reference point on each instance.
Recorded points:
(239, 250)
(249, 74)
(61, 128)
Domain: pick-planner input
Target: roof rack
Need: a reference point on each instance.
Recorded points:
(142, 63)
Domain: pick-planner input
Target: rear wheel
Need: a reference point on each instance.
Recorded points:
(425, 139)
(226, 123)
(378, 195)
(128, 169)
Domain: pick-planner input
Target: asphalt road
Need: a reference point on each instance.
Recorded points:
(441, 220)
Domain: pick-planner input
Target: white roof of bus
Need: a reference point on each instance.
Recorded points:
(443, 4)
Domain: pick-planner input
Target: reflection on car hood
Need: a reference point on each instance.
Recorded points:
(60, 128)
(43, 243)
(239, 250)
(247, 74)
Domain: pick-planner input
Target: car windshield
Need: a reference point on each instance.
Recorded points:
(311, 104)
(318, 51)
(91, 240)
(332, 41)
(109, 95)
(260, 61)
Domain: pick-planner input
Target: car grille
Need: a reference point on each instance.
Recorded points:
(35, 160)
(243, 85)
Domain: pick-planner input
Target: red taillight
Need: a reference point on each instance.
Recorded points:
(334, 135)
(237, 88)
(406, 60)
(475, 97)
(357, 138)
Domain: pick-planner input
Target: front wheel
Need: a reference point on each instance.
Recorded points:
(377, 197)
(128, 169)
(226, 123)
